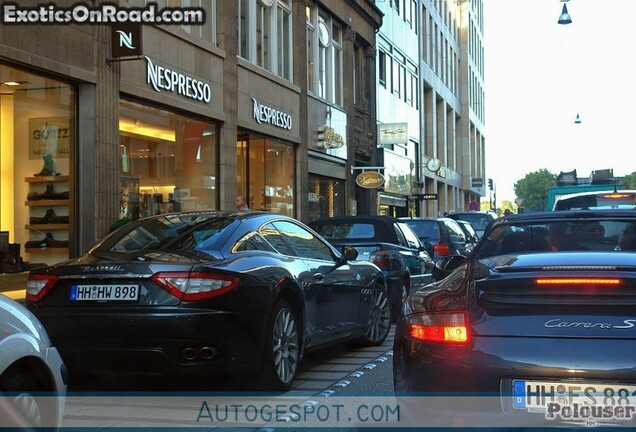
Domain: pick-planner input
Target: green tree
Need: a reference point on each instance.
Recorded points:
(533, 189)
(629, 181)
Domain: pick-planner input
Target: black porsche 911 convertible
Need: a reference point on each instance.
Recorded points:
(206, 292)
(537, 326)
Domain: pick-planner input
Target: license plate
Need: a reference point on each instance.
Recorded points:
(126, 292)
(537, 395)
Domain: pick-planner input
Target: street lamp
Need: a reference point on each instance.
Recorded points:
(565, 16)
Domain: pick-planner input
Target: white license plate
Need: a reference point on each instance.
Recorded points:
(126, 292)
(537, 395)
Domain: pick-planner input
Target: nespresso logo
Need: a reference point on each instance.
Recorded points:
(162, 78)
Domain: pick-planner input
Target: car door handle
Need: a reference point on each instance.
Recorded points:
(319, 277)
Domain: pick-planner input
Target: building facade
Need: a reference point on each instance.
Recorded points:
(271, 99)
(430, 84)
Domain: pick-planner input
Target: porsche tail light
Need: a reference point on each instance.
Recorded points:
(195, 286)
(578, 281)
(381, 259)
(441, 249)
(39, 285)
(446, 327)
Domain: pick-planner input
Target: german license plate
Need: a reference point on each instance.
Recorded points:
(125, 292)
(538, 395)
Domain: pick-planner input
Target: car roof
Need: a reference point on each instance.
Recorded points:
(568, 214)
(358, 218)
(594, 193)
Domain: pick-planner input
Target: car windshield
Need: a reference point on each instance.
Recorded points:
(477, 220)
(569, 235)
(182, 231)
(346, 230)
(426, 230)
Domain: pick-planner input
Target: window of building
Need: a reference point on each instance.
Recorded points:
(326, 72)
(264, 35)
(382, 65)
(266, 173)
(168, 162)
(206, 31)
(326, 197)
(37, 121)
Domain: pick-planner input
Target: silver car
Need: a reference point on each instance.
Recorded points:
(32, 373)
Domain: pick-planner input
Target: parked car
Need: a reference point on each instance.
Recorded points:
(445, 234)
(538, 331)
(198, 293)
(32, 373)
(478, 219)
(388, 243)
(471, 235)
(598, 200)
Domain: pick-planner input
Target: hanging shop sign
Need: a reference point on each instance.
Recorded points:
(393, 133)
(264, 114)
(370, 179)
(126, 39)
(162, 78)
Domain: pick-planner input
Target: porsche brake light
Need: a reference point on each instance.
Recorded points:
(381, 259)
(441, 249)
(39, 285)
(578, 281)
(616, 196)
(195, 286)
(447, 327)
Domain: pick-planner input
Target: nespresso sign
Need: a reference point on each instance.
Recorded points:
(264, 114)
(162, 78)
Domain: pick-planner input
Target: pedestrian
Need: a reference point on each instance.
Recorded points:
(241, 205)
(507, 212)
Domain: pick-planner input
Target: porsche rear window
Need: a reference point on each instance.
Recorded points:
(565, 235)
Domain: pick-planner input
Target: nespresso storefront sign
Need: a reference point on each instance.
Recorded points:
(264, 114)
(162, 78)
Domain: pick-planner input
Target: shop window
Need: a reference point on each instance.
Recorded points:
(326, 197)
(37, 131)
(167, 162)
(266, 173)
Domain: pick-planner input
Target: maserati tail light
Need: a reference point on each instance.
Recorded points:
(39, 285)
(441, 249)
(195, 286)
(446, 327)
(381, 259)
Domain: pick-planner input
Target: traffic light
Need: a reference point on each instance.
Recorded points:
(490, 184)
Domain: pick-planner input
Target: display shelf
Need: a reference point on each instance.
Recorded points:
(46, 179)
(59, 228)
(44, 227)
(41, 203)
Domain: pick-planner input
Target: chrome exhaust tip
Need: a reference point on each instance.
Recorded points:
(189, 353)
(207, 353)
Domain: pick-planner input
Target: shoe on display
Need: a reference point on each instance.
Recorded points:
(48, 194)
(48, 169)
(49, 218)
(46, 242)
